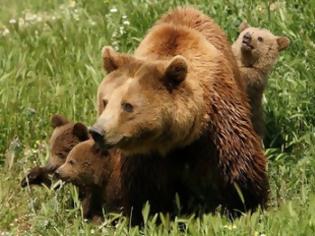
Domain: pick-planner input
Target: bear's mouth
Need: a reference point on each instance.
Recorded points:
(246, 46)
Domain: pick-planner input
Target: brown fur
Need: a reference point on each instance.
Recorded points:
(97, 176)
(182, 123)
(255, 62)
(62, 140)
(69, 139)
(194, 19)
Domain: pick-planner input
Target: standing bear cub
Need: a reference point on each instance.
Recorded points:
(256, 51)
(180, 119)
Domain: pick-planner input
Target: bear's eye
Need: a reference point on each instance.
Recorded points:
(260, 39)
(61, 155)
(127, 107)
(104, 102)
(71, 162)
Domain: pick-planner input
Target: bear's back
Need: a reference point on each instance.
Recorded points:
(194, 19)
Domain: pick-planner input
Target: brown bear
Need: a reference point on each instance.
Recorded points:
(256, 51)
(65, 136)
(96, 173)
(181, 123)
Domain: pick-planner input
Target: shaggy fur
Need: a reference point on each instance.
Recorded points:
(194, 19)
(182, 122)
(256, 51)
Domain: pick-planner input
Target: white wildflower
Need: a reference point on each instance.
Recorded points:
(121, 29)
(126, 22)
(30, 17)
(113, 10)
(5, 31)
(72, 4)
(21, 22)
(12, 21)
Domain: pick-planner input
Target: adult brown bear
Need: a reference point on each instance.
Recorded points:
(181, 121)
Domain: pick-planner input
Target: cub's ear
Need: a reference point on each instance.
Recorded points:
(244, 25)
(58, 120)
(176, 71)
(112, 60)
(283, 43)
(80, 131)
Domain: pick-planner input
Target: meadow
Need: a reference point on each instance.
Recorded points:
(50, 62)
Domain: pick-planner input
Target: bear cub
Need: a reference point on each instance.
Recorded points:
(256, 51)
(65, 136)
(96, 173)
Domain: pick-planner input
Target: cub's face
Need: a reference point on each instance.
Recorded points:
(64, 137)
(137, 112)
(259, 44)
(84, 166)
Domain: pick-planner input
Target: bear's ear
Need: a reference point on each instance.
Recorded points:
(176, 71)
(58, 120)
(283, 43)
(244, 25)
(80, 131)
(112, 60)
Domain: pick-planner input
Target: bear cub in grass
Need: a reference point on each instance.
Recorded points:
(73, 158)
(256, 51)
(64, 137)
(96, 173)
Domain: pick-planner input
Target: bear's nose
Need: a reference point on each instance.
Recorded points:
(247, 37)
(97, 134)
(57, 174)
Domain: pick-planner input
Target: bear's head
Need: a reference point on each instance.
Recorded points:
(150, 110)
(255, 44)
(85, 166)
(65, 136)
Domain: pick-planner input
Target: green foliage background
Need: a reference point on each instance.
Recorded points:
(50, 63)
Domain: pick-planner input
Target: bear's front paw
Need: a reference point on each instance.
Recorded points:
(36, 176)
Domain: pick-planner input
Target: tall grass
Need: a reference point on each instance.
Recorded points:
(50, 63)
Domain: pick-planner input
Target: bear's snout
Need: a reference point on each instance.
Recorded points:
(247, 37)
(57, 174)
(246, 42)
(98, 136)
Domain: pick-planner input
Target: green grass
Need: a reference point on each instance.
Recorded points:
(50, 63)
